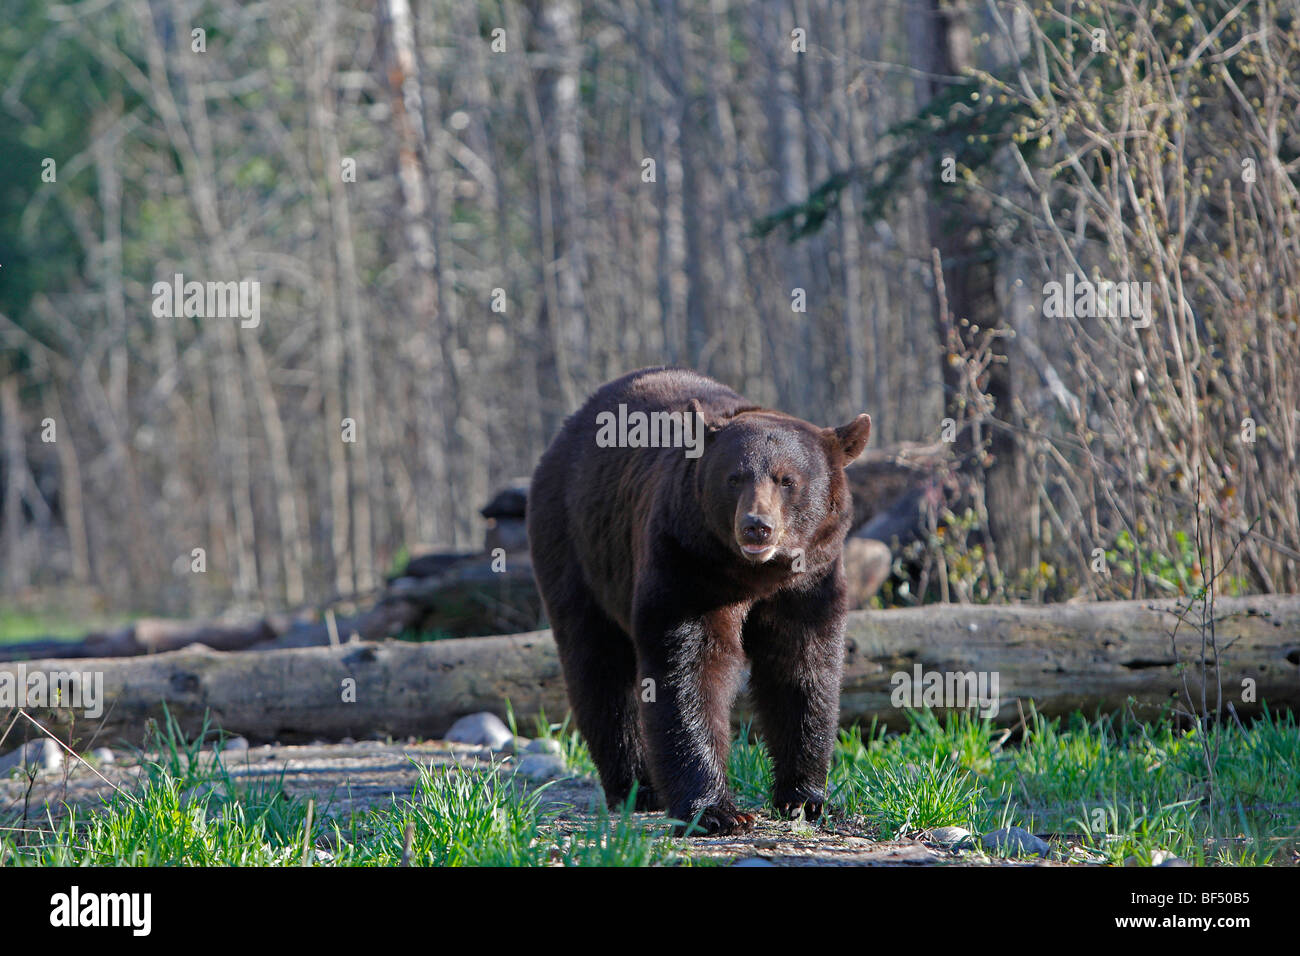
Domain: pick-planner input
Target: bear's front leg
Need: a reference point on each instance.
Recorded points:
(795, 643)
(689, 669)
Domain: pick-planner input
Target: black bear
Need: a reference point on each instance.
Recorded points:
(676, 530)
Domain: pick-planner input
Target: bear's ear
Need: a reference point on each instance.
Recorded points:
(851, 438)
(710, 427)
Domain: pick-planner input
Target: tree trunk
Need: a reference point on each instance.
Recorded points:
(958, 226)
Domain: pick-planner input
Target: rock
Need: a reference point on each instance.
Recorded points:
(104, 756)
(1158, 858)
(197, 792)
(950, 836)
(540, 767)
(508, 534)
(44, 754)
(483, 729)
(1016, 841)
(51, 755)
(234, 743)
(753, 861)
(543, 745)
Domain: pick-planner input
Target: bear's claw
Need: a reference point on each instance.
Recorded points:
(811, 809)
(717, 821)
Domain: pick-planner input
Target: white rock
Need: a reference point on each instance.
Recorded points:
(950, 836)
(540, 767)
(51, 755)
(543, 745)
(1017, 841)
(234, 743)
(44, 754)
(104, 756)
(1158, 858)
(483, 729)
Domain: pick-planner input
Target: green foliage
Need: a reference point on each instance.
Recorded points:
(55, 90)
(750, 769)
(1117, 787)
(1121, 787)
(189, 811)
(1178, 572)
(962, 122)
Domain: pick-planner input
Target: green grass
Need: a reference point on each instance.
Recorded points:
(71, 623)
(1118, 787)
(1112, 788)
(192, 813)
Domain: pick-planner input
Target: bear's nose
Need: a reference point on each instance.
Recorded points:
(756, 529)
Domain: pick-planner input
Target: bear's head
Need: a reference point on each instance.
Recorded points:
(772, 486)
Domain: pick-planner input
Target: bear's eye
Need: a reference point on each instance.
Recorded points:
(787, 482)
(733, 480)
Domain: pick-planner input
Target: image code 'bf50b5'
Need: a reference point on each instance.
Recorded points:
(662, 568)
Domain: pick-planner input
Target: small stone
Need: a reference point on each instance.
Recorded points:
(543, 745)
(950, 836)
(753, 861)
(483, 729)
(234, 743)
(198, 792)
(104, 756)
(1158, 858)
(347, 740)
(540, 767)
(51, 755)
(43, 754)
(1016, 841)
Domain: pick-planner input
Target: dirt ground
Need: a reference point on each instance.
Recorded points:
(353, 776)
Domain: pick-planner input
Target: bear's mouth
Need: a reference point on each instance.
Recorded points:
(758, 553)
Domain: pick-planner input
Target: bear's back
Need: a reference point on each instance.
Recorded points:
(593, 505)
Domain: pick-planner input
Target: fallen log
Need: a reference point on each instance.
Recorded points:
(147, 636)
(1098, 658)
(466, 598)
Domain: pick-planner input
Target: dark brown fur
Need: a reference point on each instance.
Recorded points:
(639, 556)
